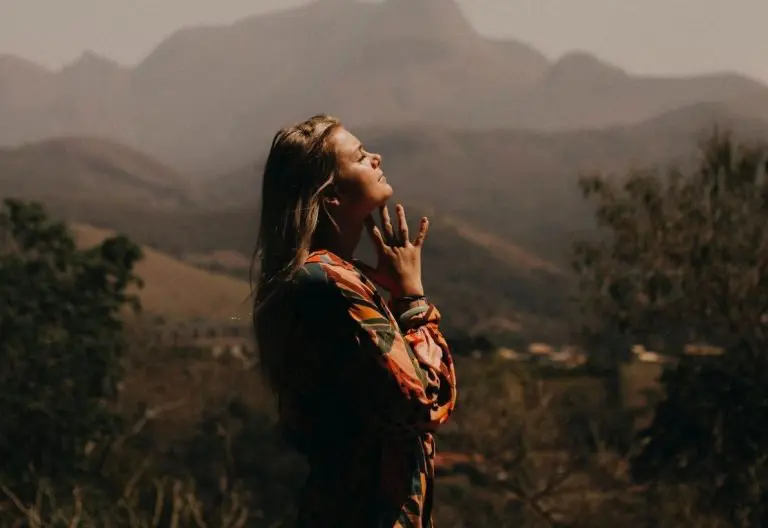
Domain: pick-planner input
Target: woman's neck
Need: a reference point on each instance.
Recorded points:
(342, 242)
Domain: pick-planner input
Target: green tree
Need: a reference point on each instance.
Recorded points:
(682, 258)
(61, 342)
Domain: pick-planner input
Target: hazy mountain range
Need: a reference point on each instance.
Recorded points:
(486, 136)
(503, 205)
(209, 98)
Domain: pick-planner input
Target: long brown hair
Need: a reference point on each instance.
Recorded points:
(300, 166)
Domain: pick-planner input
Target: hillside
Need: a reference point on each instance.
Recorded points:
(72, 168)
(479, 280)
(208, 99)
(753, 106)
(79, 181)
(517, 185)
(503, 203)
(177, 290)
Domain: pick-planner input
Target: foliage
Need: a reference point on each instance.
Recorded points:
(220, 464)
(684, 260)
(60, 342)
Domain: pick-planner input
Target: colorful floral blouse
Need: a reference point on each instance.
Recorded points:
(360, 403)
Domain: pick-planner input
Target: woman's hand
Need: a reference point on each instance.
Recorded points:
(399, 259)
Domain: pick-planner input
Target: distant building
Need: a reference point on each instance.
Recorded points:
(540, 349)
(511, 355)
(639, 353)
(702, 349)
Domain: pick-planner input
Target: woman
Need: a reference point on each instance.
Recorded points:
(362, 383)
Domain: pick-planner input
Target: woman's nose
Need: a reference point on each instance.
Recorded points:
(376, 161)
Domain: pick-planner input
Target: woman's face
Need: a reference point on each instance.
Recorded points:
(360, 183)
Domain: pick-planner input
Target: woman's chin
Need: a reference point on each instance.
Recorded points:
(382, 196)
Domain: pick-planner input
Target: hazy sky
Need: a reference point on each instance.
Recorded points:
(643, 36)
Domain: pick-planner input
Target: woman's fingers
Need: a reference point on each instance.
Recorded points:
(375, 234)
(423, 229)
(402, 224)
(386, 224)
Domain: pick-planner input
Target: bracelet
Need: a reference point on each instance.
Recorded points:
(410, 313)
(410, 298)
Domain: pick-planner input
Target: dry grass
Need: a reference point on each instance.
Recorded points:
(176, 505)
(229, 259)
(177, 290)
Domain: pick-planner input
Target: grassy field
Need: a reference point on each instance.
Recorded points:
(177, 290)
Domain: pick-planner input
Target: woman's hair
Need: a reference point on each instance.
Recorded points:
(300, 166)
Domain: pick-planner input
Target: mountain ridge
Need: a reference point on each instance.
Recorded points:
(503, 203)
(208, 98)
(59, 168)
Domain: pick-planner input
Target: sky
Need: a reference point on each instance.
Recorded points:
(666, 37)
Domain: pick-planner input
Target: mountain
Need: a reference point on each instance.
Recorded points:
(515, 184)
(24, 82)
(210, 98)
(753, 106)
(72, 169)
(91, 96)
(110, 187)
(386, 63)
(25, 88)
(503, 205)
(422, 61)
(581, 91)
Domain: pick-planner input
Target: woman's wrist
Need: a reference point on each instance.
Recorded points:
(404, 303)
(408, 290)
(409, 298)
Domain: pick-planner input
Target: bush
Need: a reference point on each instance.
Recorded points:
(61, 345)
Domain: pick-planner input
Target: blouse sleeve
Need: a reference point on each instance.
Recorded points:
(387, 382)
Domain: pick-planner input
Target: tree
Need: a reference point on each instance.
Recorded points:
(60, 342)
(683, 259)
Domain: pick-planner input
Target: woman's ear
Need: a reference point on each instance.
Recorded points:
(331, 200)
(332, 195)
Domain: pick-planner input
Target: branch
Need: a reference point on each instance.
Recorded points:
(33, 516)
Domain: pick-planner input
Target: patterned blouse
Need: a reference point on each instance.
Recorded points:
(359, 402)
